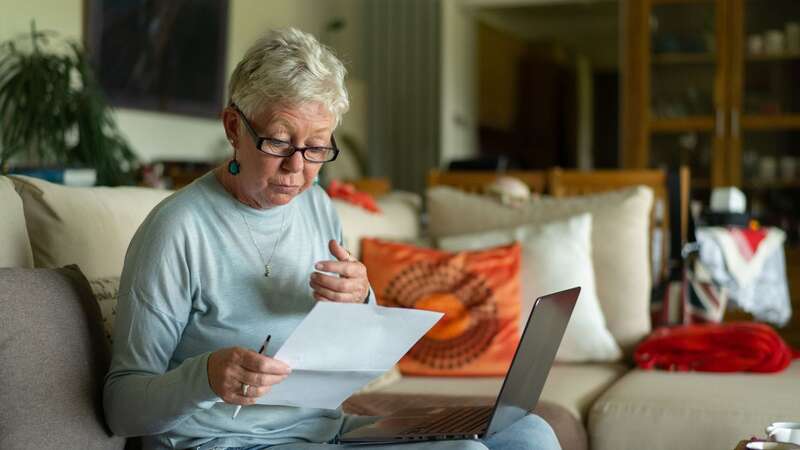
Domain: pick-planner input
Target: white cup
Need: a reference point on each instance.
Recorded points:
(767, 168)
(755, 44)
(784, 432)
(793, 36)
(788, 167)
(774, 42)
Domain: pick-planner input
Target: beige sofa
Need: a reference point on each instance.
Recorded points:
(46, 225)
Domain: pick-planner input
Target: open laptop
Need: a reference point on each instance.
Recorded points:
(520, 392)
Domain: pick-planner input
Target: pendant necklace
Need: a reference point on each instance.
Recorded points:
(268, 263)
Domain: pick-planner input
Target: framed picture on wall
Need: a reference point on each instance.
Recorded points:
(166, 56)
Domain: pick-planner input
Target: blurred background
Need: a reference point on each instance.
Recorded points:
(488, 84)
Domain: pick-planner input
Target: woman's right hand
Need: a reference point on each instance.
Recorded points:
(231, 368)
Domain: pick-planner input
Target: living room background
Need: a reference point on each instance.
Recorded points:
(153, 136)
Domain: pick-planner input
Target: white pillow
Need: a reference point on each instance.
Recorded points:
(87, 226)
(620, 240)
(15, 247)
(555, 256)
(398, 220)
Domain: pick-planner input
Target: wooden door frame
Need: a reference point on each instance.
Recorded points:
(735, 92)
(635, 81)
(721, 158)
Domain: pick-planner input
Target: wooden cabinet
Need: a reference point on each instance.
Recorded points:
(675, 74)
(715, 85)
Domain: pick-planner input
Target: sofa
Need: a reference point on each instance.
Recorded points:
(61, 246)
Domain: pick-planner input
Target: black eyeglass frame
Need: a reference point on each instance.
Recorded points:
(260, 140)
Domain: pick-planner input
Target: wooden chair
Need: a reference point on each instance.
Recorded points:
(375, 186)
(476, 181)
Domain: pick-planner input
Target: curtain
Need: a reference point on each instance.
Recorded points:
(403, 58)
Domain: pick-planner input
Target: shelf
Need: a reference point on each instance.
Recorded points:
(680, 2)
(683, 58)
(771, 122)
(681, 124)
(700, 183)
(776, 57)
(777, 184)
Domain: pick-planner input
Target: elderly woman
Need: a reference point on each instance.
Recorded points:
(239, 255)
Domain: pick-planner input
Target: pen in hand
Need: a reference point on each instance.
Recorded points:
(244, 386)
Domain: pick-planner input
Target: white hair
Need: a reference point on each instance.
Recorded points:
(290, 67)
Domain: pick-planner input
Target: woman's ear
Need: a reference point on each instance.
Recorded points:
(230, 121)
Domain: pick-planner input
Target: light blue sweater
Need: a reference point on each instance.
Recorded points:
(194, 283)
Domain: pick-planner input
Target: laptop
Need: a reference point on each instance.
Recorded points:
(519, 394)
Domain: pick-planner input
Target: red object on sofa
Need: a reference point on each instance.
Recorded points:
(733, 347)
(348, 193)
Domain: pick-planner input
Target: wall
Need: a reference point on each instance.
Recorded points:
(62, 16)
(169, 136)
(459, 85)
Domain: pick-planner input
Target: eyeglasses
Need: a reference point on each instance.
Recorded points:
(283, 149)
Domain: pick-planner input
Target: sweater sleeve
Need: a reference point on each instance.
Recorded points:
(145, 391)
(141, 396)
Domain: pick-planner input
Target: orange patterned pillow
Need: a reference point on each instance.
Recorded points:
(477, 290)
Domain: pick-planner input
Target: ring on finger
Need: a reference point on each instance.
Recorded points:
(244, 389)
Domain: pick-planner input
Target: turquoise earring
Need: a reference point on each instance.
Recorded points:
(233, 166)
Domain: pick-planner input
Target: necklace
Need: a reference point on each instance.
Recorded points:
(268, 263)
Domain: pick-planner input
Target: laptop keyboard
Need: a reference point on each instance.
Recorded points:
(466, 420)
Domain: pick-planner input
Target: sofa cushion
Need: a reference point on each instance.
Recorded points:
(620, 240)
(91, 227)
(15, 247)
(106, 292)
(477, 291)
(556, 256)
(573, 386)
(577, 386)
(692, 410)
(398, 220)
(54, 359)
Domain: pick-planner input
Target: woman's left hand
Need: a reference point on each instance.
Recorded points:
(351, 286)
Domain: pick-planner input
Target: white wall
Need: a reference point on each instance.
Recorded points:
(348, 43)
(62, 16)
(170, 136)
(459, 109)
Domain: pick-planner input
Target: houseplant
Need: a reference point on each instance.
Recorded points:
(52, 110)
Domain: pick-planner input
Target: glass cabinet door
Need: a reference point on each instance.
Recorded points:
(765, 110)
(686, 86)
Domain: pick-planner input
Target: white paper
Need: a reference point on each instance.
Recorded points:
(338, 348)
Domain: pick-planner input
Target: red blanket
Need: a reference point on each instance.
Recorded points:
(733, 347)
